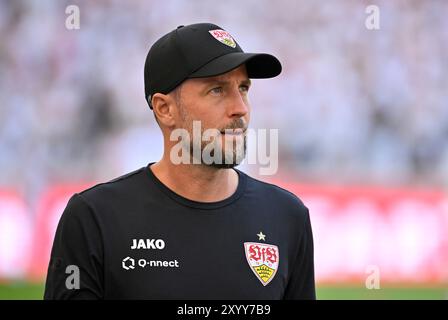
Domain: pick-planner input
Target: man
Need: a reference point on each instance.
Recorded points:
(189, 227)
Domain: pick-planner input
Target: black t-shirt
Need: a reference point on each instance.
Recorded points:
(134, 238)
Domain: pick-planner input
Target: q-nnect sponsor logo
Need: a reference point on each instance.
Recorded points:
(130, 263)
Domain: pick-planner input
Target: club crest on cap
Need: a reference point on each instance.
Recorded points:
(223, 37)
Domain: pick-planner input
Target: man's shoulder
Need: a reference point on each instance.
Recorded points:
(124, 184)
(103, 198)
(276, 194)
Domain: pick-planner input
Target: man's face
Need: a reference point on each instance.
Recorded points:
(219, 103)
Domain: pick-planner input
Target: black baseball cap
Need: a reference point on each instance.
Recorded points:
(197, 51)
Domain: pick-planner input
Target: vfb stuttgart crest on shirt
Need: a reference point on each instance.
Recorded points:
(263, 260)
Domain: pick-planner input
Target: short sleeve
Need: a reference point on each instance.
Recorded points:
(301, 284)
(77, 246)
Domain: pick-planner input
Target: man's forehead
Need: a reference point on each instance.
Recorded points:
(239, 74)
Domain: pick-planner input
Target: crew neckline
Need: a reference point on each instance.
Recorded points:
(197, 204)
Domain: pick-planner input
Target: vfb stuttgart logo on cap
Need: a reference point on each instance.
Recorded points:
(223, 37)
(263, 260)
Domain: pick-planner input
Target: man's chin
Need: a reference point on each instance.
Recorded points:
(228, 162)
(223, 165)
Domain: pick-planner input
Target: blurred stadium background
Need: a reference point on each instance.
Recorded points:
(362, 118)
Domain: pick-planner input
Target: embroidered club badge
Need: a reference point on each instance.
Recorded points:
(263, 259)
(223, 37)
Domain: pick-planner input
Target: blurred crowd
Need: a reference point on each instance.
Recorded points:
(352, 105)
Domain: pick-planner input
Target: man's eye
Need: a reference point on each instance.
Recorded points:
(244, 88)
(216, 90)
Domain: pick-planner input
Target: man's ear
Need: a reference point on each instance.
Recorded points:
(163, 106)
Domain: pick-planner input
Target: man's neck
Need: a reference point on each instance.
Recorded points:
(196, 182)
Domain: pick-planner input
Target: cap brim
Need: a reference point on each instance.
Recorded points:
(258, 65)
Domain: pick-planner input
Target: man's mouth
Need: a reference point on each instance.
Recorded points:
(233, 132)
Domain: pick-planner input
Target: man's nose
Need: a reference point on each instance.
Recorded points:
(237, 105)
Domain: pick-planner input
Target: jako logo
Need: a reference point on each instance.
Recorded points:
(147, 244)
